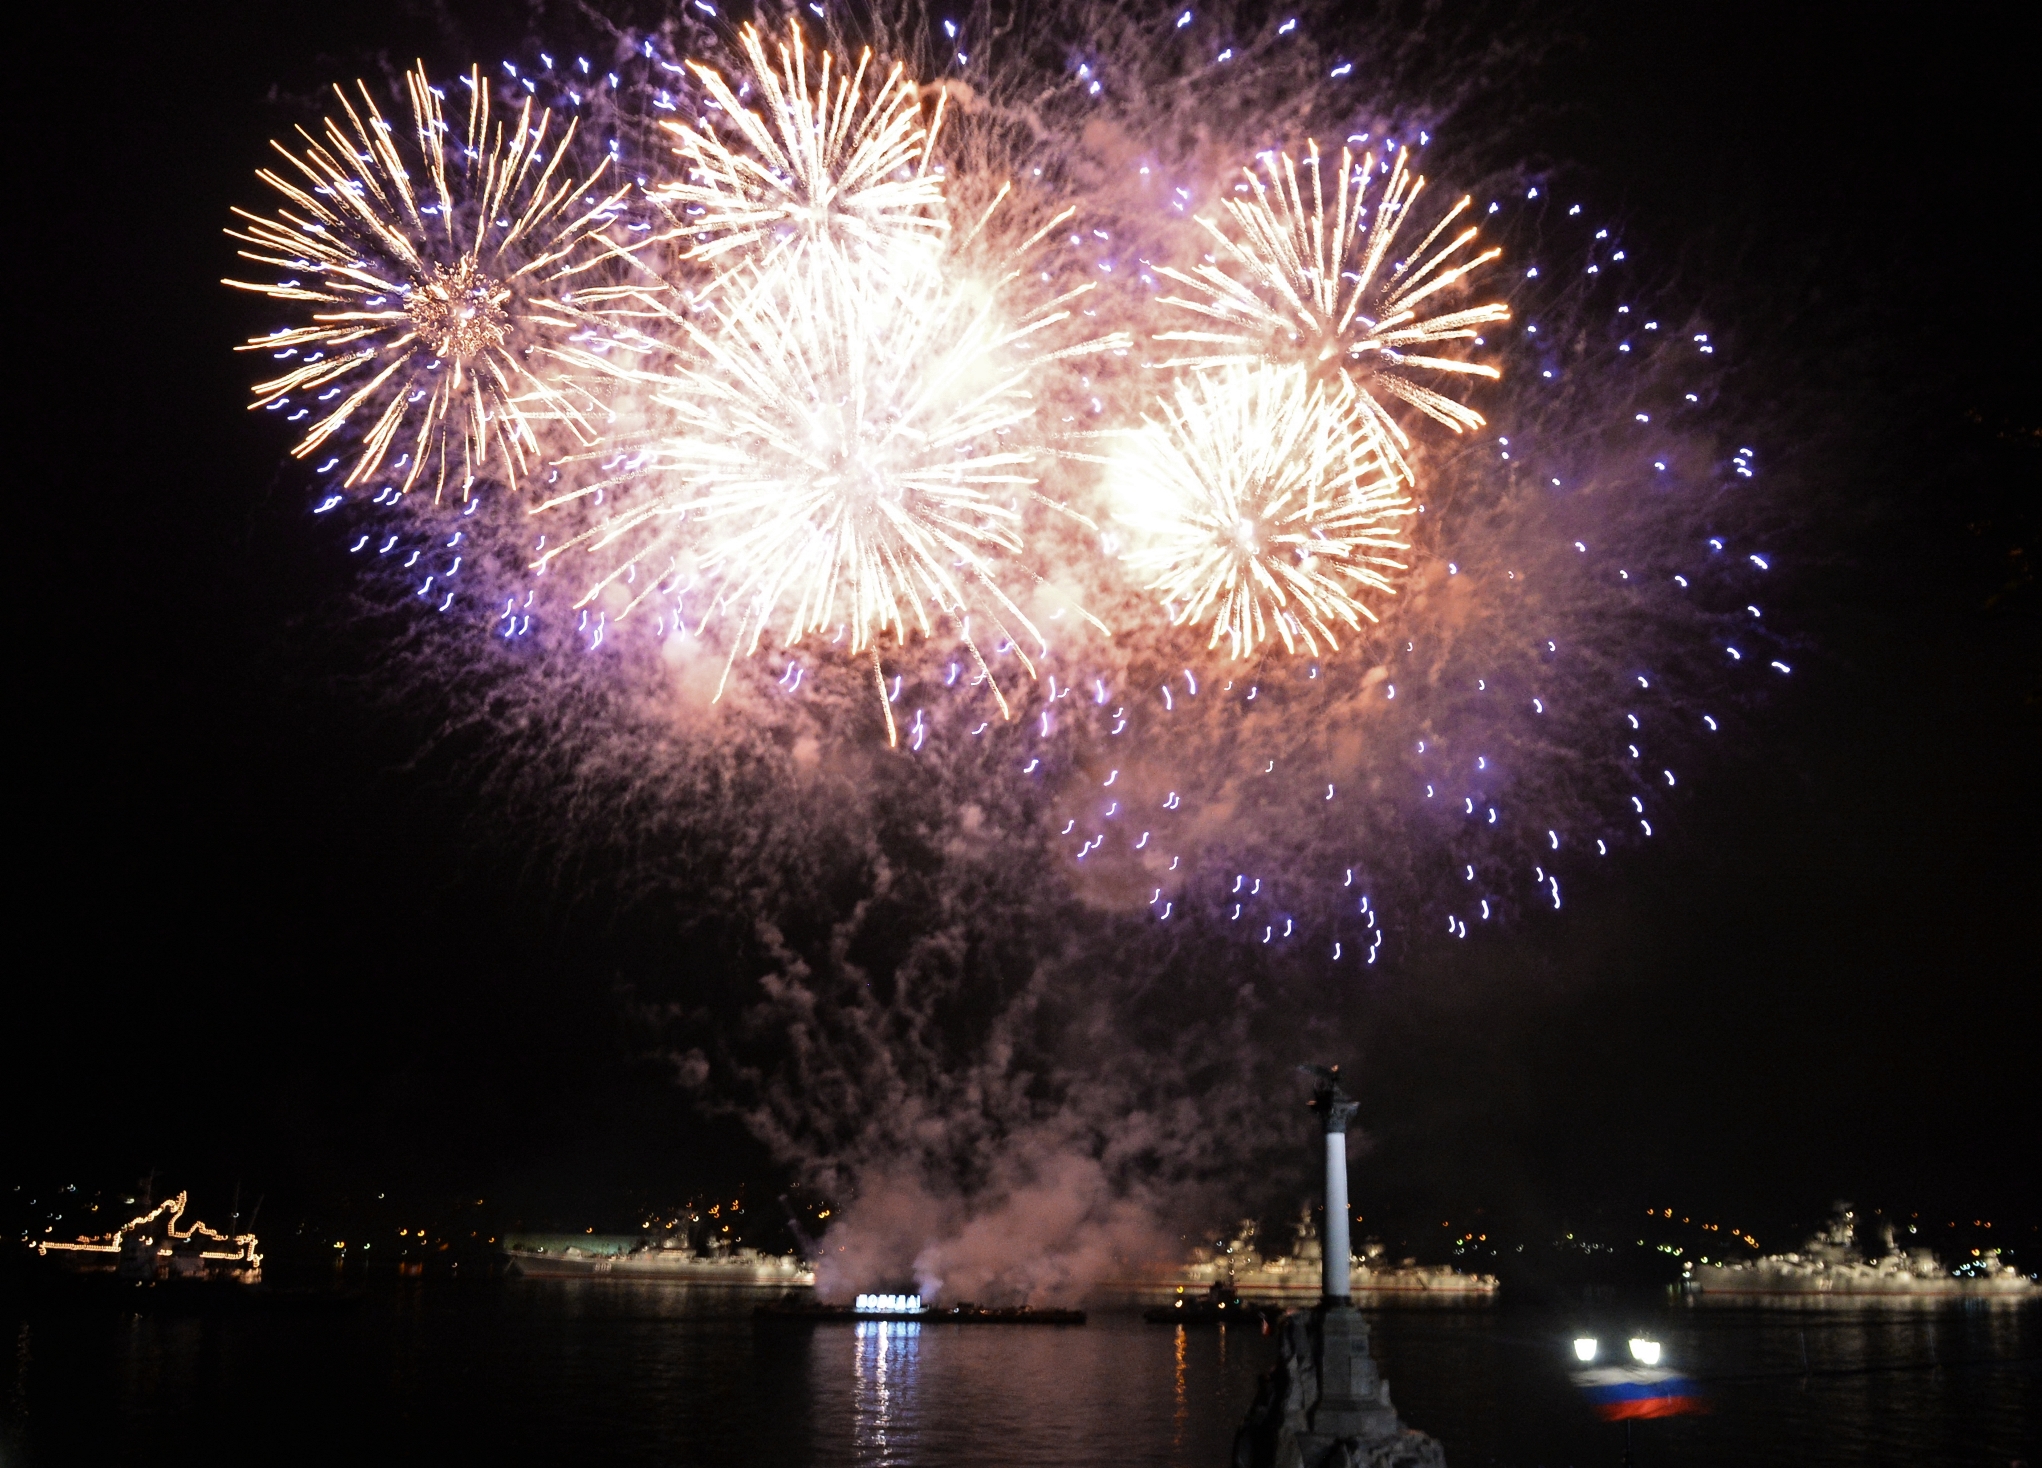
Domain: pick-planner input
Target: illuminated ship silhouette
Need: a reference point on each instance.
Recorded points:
(158, 1246)
(617, 1256)
(1830, 1263)
(1297, 1273)
(1237, 1268)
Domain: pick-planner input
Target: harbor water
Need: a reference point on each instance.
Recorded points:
(602, 1372)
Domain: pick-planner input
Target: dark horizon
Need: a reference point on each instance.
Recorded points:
(266, 949)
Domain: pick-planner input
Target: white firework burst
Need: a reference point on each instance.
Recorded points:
(839, 454)
(828, 164)
(1263, 503)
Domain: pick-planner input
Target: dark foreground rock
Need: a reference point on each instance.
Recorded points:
(1324, 1404)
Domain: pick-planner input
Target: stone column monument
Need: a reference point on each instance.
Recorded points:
(1325, 1405)
(1336, 1108)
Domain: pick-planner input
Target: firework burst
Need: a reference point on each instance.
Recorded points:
(840, 455)
(433, 267)
(828, 424)
(827, 166)
(1305, 275)
(1263, 503)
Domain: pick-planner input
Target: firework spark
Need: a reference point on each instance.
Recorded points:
(841, 454)
(432, 266)
(1264, 502)
(823, 167)
(1305, 279)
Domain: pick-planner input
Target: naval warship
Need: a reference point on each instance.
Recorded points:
(1238, 1268)
(625, 1257)
(1831, 1264)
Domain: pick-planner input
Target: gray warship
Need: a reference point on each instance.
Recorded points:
(1238, 1267)
(626, 1257)
(1831, 1264)
(1298, 1274)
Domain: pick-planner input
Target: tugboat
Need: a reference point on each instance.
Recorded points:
(1221, 1304)
(1831, 1265)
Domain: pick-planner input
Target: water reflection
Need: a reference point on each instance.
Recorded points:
(885, 1354)
(1180, 1412)
(547, 1373)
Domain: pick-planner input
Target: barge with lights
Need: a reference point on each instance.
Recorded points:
(909, 1309)
(1221, 1304)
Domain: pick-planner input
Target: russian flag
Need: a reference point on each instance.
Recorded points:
(1621, 1392)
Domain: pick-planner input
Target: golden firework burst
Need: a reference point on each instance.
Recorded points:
(1309, 278)
(434, 265)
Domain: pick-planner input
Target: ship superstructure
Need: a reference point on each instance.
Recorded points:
(1296, 1274)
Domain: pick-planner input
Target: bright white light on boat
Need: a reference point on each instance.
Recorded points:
(887, 1304)
(1584, 1348)
(1646, 1352)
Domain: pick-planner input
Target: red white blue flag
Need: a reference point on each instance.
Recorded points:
(1620, 1392)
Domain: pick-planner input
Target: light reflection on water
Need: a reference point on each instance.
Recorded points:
(884, 1370)
(559, 1372)
(1181, 1340)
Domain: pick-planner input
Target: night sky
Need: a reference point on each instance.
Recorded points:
(257, 941)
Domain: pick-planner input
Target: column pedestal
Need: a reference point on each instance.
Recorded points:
(1326, 1405)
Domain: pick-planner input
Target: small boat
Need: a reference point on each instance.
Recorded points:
(1221, 1304)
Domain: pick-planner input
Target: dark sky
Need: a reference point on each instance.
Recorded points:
(247, 945)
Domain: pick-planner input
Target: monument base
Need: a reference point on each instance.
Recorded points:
(1325, 1405)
